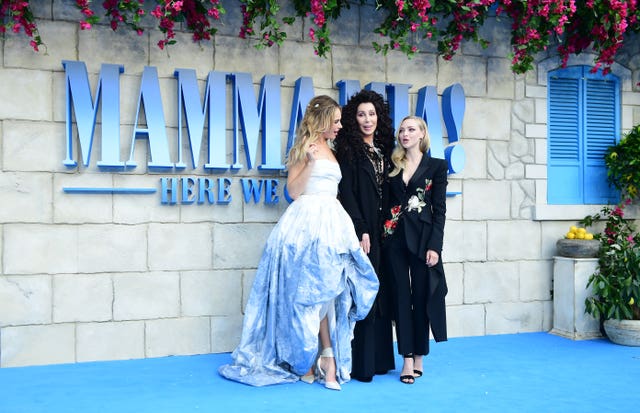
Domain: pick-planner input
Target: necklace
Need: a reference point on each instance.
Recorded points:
(377, 161)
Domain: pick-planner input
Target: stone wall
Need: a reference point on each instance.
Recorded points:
(104, 276)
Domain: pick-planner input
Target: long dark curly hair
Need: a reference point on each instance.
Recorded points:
(349, 144)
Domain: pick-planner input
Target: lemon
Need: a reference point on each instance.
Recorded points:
(573, 228)
(631, 301)
(588, 235)
(581, 231)
(580, 235)
(570, 235)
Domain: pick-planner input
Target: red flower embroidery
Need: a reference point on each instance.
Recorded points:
(391, 224)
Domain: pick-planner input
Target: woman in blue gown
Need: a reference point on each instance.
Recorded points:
(313, 281)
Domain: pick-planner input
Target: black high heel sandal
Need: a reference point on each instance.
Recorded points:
(408, 378)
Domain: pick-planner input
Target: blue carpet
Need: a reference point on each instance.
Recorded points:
(533, 372)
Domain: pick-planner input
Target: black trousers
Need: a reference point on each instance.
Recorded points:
(372, 346)
(410, 288)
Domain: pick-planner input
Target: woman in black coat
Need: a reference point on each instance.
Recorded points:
(363, 149)
(414, 231)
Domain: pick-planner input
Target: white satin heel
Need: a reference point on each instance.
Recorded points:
(327, 353)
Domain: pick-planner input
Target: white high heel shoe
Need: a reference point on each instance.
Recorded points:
(327, 353)
(308, 378)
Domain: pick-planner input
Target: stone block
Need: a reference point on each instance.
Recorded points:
(500, 78)
(469, 71)
(112, 248)
(177, 336)
(146, 296)
(536, 280)
(78, 297)
(358, 63)
(227, 237)
(186, 54)
(475, 166)
(78, 208)
(59, 44)
(455, 283)
(498, 159)
(233, 54)
(141, 208)
(486, 200)
(347, 34)
(491, 282)
(26, 197)
(418, 72)
(464, 241)
(296, 58)
(21, 96)
(129, 91)
(524, 110)
(33, 147)
(486, 119)
(37, 345)
(110, 341)
(25, 300)
(179, 247)
(211, 293)
(540, 111)
(102, 45)
(216, 211)
(231, 20)
(512, 318)
(225, 333)
(541, 151)
(536, 172)
(513, 240)
(494, 28)
(536, 130)
(265, 213)
(465, 320)
(369, 19)
(40, 249)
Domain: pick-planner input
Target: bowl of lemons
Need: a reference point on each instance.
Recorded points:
(578, 243)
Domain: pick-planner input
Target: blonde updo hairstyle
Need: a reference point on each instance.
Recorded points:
(318, 118)
(399, 154)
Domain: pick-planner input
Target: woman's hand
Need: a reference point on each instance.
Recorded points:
(432, 258)
(311, 153)
(365, 243)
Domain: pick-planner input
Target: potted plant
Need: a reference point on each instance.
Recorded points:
(615, 286)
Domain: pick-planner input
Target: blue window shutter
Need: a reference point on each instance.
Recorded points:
(601, 132)
(564, 178)
(583, 119)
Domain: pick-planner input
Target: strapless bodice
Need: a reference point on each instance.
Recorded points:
(324, 178)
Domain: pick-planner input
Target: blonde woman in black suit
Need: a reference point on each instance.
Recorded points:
(414, 230)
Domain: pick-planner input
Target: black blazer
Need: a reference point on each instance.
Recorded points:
(359, 196)
(424, 229)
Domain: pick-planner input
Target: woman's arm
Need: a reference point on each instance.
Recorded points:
(299, 174)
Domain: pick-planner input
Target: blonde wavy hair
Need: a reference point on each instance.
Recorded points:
(399, 154)
(318, 118)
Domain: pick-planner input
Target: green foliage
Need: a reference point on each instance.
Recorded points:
(623, 163)
(615, 286)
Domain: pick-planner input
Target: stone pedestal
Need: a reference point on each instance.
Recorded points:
(570, 277)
